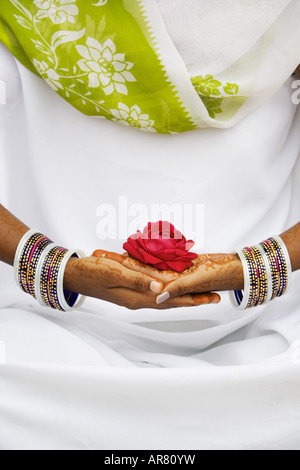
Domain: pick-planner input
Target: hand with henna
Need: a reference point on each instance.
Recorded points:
(214, 272)
(138, 300)
(113, 278)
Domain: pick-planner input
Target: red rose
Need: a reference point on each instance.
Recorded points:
(162, 246)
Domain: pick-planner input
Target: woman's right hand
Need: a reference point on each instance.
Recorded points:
(111, 280)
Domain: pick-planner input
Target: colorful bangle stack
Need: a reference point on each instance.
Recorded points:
(267, 272)
(40, 267)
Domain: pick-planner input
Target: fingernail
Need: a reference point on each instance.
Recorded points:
(162, 298)
(216, 302)
(155, 287)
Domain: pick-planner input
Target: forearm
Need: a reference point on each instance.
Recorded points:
(225, 272)
(11, 232)
(292, 240)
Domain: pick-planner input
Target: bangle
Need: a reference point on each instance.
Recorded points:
(267, 273)
(39, 266)
(273, 262)
(240, 299)
(41, 262)
(49, 277)
(259, 277)
(280, 264)
(19, 252)
(69, 302)
(287, 263)
(52, 279)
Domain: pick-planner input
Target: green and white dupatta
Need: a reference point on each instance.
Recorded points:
(115, 59)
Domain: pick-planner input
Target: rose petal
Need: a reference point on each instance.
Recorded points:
(149, 259)
(139, 253)
(179, 266)
(141, 243)
(172, 255)
(162, 266)
(162, 246)
(154, 246)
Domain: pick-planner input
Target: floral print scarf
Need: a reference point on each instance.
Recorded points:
(114, 59)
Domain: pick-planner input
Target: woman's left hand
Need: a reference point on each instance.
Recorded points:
(209, 273)
(212, 272)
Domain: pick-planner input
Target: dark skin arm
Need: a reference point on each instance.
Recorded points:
(109, 279)
(11, 232)
(224, 272)
(210, 272)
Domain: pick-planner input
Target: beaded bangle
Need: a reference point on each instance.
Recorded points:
(35, 255)
(274, 266)
(261, 294)
(254, 277)
(52, 276)
(39, 270)
(267, 272)
(287, 258)
(39, 274)
(23, 259)
(49, 277)
(68, 300)
(286, 267)
(281, 259)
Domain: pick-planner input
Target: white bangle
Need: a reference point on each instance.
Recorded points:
(245, 294)
(240, 299)
(287, 259)
(39, 267)
(19, 251)
(60, 282)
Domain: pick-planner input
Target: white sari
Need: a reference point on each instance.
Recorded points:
(108, 378)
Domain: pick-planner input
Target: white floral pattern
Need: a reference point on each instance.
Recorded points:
(48, 74)
(101, 3)
(59, 11)
(133, 117)
(105, 67)
(93, 74)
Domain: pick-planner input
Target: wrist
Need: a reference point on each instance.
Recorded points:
(226, 272)
(73, 277)
(291, 240)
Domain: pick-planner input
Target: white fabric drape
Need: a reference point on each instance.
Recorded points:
(105, 377)
(220, 32)
(254, 44)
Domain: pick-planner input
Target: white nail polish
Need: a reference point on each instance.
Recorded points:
(162, 298)
(155, 287)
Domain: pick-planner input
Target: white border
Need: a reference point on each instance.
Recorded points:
(175, 67)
